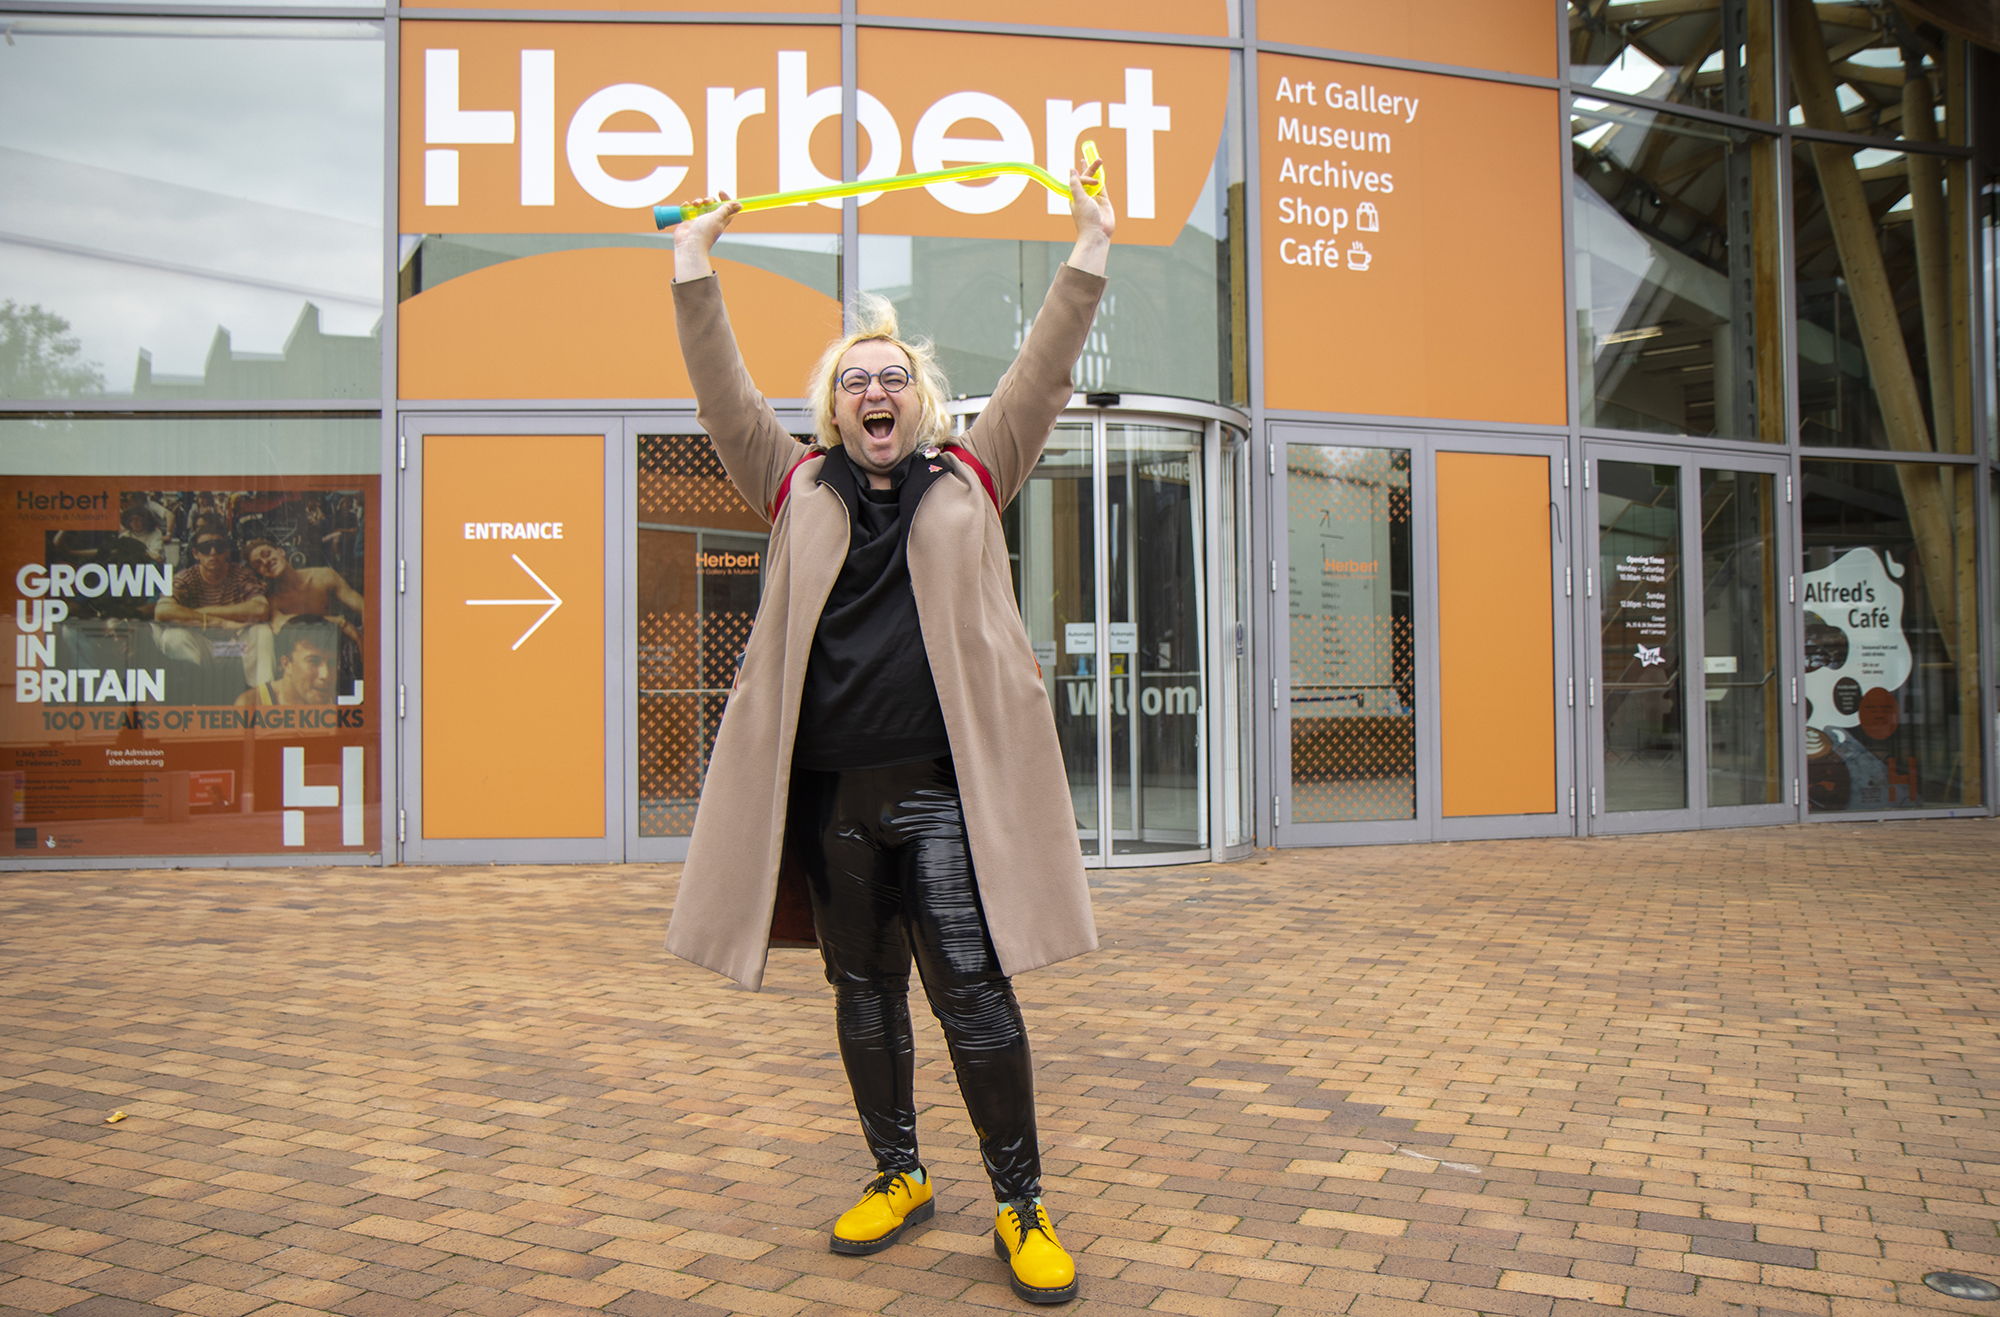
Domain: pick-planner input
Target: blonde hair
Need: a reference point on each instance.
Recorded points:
(875, 321)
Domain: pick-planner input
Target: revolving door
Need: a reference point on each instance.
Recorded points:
(1129, 548)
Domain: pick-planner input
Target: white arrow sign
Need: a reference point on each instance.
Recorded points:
(550, 604)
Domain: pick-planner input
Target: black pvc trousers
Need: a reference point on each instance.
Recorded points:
(886, 861)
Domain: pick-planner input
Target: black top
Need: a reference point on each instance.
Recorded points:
(869, 700)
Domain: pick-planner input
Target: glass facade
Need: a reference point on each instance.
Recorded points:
(1669, 236)
(1730, 380)
(1353, 644)
(1891, 638)
(192, 209)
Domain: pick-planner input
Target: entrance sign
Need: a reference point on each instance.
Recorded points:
(549, 603)
(513, 719)
(1412, 244)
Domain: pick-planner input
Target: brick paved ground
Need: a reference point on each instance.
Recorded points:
(1686, 1075)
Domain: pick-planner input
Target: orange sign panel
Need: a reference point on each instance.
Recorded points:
(1412, 244)
(1200, 18)
(956, 98)
(597, 322)
(513, 638)
(1496, 697)
(584, 127)
(1513, 36)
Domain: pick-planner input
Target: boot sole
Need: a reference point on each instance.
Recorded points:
(922, 1212)
(1032, 1293)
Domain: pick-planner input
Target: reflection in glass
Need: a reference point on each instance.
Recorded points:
(1877, 323)
(1717, 56)
(1675, 333)
(1157, 665)
(193, 208)
(1639, 627)
(1739, 562)
(1172, 322)
(428, 260)
(1353, 667)
(1051, 536)
(1890, 689)
(700, 574)
(1850, 70)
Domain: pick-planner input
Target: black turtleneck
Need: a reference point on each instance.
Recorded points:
(869, 700)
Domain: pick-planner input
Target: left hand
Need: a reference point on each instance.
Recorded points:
(1095, 220)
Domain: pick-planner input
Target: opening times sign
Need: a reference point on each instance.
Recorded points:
(1412, 244)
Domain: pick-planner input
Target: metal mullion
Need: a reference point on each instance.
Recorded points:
(1584, 770)
(1210, 726)
(619, 16)
(1694, 638)
(390, 532)
(1675, 109)
(88, 8)
(1820, 454)
(1103, 605)
(1400, 64)
(52, 408)
(1865, 141)
(849, 260)
(1269, 781)
(1414, 424)
(976, 27)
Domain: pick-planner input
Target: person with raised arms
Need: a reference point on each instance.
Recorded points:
(886, 780)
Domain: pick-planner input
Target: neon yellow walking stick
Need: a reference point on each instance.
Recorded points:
(665, 217)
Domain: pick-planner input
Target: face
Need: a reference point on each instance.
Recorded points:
(211, 555)
(266, 561)
(309, 674)
(877, 428)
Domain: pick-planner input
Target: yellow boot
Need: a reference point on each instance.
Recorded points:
(1024, 1239)
(892, 1201)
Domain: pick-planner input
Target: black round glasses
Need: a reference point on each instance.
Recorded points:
(855, 380)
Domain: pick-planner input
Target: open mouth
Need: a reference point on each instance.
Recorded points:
(879, 425)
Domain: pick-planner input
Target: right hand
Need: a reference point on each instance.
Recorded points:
(694, 237)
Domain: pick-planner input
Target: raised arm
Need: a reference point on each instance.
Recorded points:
(755, 449)
(1010, 432)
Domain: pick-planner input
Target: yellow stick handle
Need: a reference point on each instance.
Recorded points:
(665, 217)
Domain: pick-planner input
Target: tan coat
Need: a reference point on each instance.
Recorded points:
(1018, 813)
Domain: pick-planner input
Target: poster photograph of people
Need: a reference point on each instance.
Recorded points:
(189, 652)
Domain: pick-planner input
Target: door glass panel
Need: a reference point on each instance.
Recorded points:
(1891, 689)
(1638, 574)
(1233, 584)
(1353, 670)
(1739, 559)
(1051, 537)
(1159, 776)
(700, 572)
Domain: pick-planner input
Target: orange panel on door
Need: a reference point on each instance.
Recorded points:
(513, 636)
(1496, 635)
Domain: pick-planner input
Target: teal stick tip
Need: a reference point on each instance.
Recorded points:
(665, 217)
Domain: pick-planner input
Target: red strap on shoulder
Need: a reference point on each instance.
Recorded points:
(979, 469)
(785, 485)
(963, 454)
